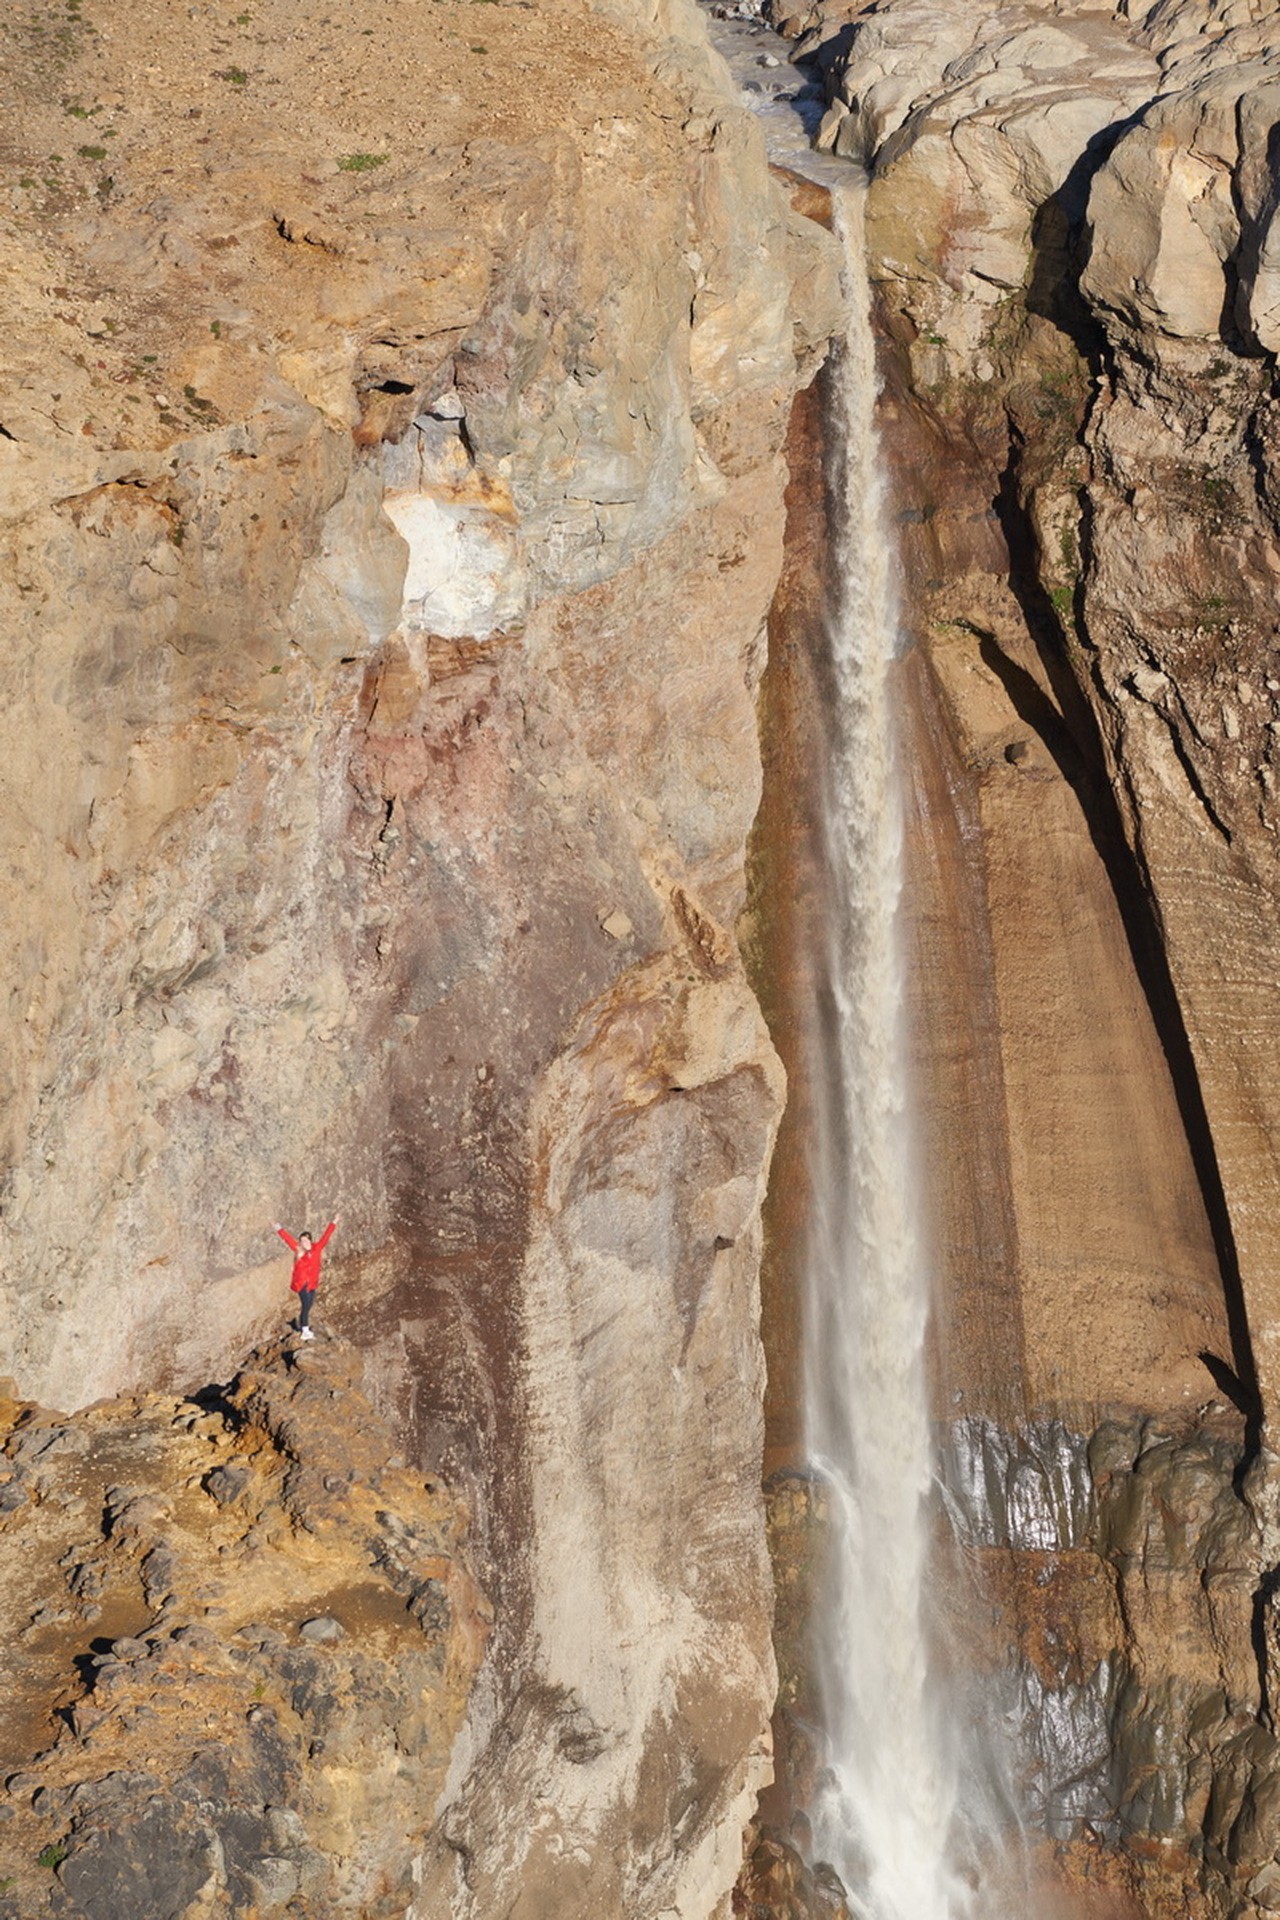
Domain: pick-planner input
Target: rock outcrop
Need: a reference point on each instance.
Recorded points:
(392, 410)
(239, 1636)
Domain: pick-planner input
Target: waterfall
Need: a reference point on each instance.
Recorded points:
(884, 1809)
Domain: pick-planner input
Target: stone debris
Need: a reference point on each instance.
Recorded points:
(323, 1630)
(778, 1884)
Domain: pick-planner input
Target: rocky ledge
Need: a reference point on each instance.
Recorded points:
(237, 1636)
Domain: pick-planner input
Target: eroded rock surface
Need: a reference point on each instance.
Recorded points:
(238, 1640)
(1069, 221)
(392, 403)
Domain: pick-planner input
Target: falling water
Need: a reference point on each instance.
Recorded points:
(886, 1800)
(918, 1806)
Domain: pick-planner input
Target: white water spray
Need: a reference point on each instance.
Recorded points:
(884, 1812)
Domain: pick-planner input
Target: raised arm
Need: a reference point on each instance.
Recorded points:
(287, 1237)
(327, 1235)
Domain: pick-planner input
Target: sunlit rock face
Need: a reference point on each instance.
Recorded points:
(392, 505)
(1070, 218)
(239, 1640)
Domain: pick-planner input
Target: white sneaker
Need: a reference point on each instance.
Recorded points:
(307, 1334)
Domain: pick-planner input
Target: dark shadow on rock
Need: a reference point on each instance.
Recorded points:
(1060, 242)
(1240, 269)
(213, 1399)
(1227, 1381)
(1266, 1591)
(1033, 706)
(85, 1663)
(1138, 909)
(826, 57)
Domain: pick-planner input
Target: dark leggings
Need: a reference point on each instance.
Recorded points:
(305, 1297)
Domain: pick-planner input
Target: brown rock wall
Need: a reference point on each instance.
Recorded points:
(1075, 362)
(1077, 1271)
(1092, 1198)
(783, 925)
(392, 500)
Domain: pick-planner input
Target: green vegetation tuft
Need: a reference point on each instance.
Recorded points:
(92, 153)
(361, 162)
(52, 1856)
(235, 75)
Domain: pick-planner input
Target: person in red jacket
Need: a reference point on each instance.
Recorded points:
(306, 1269)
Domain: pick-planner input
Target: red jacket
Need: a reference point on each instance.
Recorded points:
(306, 1267)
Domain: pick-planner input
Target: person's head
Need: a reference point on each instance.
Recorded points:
(304, 1241)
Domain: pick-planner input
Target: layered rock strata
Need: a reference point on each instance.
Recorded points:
(392, 412)
(1069, 217)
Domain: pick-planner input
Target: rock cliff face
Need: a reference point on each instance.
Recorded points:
(391, 427)
(1069, 218)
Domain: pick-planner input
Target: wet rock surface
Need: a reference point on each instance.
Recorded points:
(1120, 1571)
(176, 1739)
(1095, 1608)
(776, 1883)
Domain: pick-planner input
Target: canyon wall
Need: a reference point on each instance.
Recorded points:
(1070, 223)
(391, 435)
